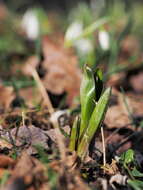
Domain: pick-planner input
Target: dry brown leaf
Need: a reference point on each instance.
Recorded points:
(5, 144)
(6, 96)
(117, 115)
(63, 74)
(112, 168)
(135, 103)
(26, 171)
(6, 161)
(130, 45)
(136, 82)
(31, 96)
(30, 135)
(26, 166)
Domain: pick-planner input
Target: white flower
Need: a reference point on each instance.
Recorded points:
(84, 46)
(74, 31)
(30, 24)
(103, 38)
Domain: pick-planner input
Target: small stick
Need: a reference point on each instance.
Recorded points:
(103, 146)
(60, 140)
(23, 117)
(42, 90)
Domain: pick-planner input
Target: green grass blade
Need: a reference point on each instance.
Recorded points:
(94, 26)
(87, 97)
(95, 121)
(74, 134)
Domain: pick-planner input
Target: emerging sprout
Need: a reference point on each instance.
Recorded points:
(93, 108)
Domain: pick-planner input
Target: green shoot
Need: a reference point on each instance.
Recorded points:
(94, 123)
(87, 97)
(93, 108)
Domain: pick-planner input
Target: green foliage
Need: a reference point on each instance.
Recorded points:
(94, 122)
(136, 184)
(127, 157)
(129, 163)
(41, 153)
(4, 179)
(93, 108)
(87, 97)
(136, 173)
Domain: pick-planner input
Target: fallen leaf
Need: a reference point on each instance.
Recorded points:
(63, 74)
(112, 168)
(6, 161)
(118, 116)
(31, 96)
(4, 144)
(136, 82)
(6, 96)
(28, 136)
(26, 171)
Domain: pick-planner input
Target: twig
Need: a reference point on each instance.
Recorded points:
(59, 137)
(103, 145)
(23, 117)
(42, 90)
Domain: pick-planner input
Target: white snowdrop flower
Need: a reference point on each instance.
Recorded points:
(30, 24)
(84, 46)
(103, 38)
(74, 31)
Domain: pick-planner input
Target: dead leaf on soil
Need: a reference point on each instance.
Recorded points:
(4, 144)
(28, 136)
(111, 169)
(31, 96)
(136, 82)
(63, 74)
(28, 170)
(6, 96)
(6, 161)
(118, 116)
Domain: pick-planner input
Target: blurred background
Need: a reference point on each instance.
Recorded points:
(103, 33)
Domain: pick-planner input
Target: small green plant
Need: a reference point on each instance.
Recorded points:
(93, 108)
(130, 165)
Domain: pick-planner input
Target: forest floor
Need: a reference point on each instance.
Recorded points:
(31, 148)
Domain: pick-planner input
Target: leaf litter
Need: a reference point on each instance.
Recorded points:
(34, 152)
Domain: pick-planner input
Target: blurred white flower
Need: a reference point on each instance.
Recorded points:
(103, 38)
(30, 24)
(84, 46)
(74, 31)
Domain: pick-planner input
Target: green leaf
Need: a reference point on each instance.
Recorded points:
(127, 157)
(136, 184)
(74, 134)
(95, 121)
(94, 26)
(87, 97)
(136, 173)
